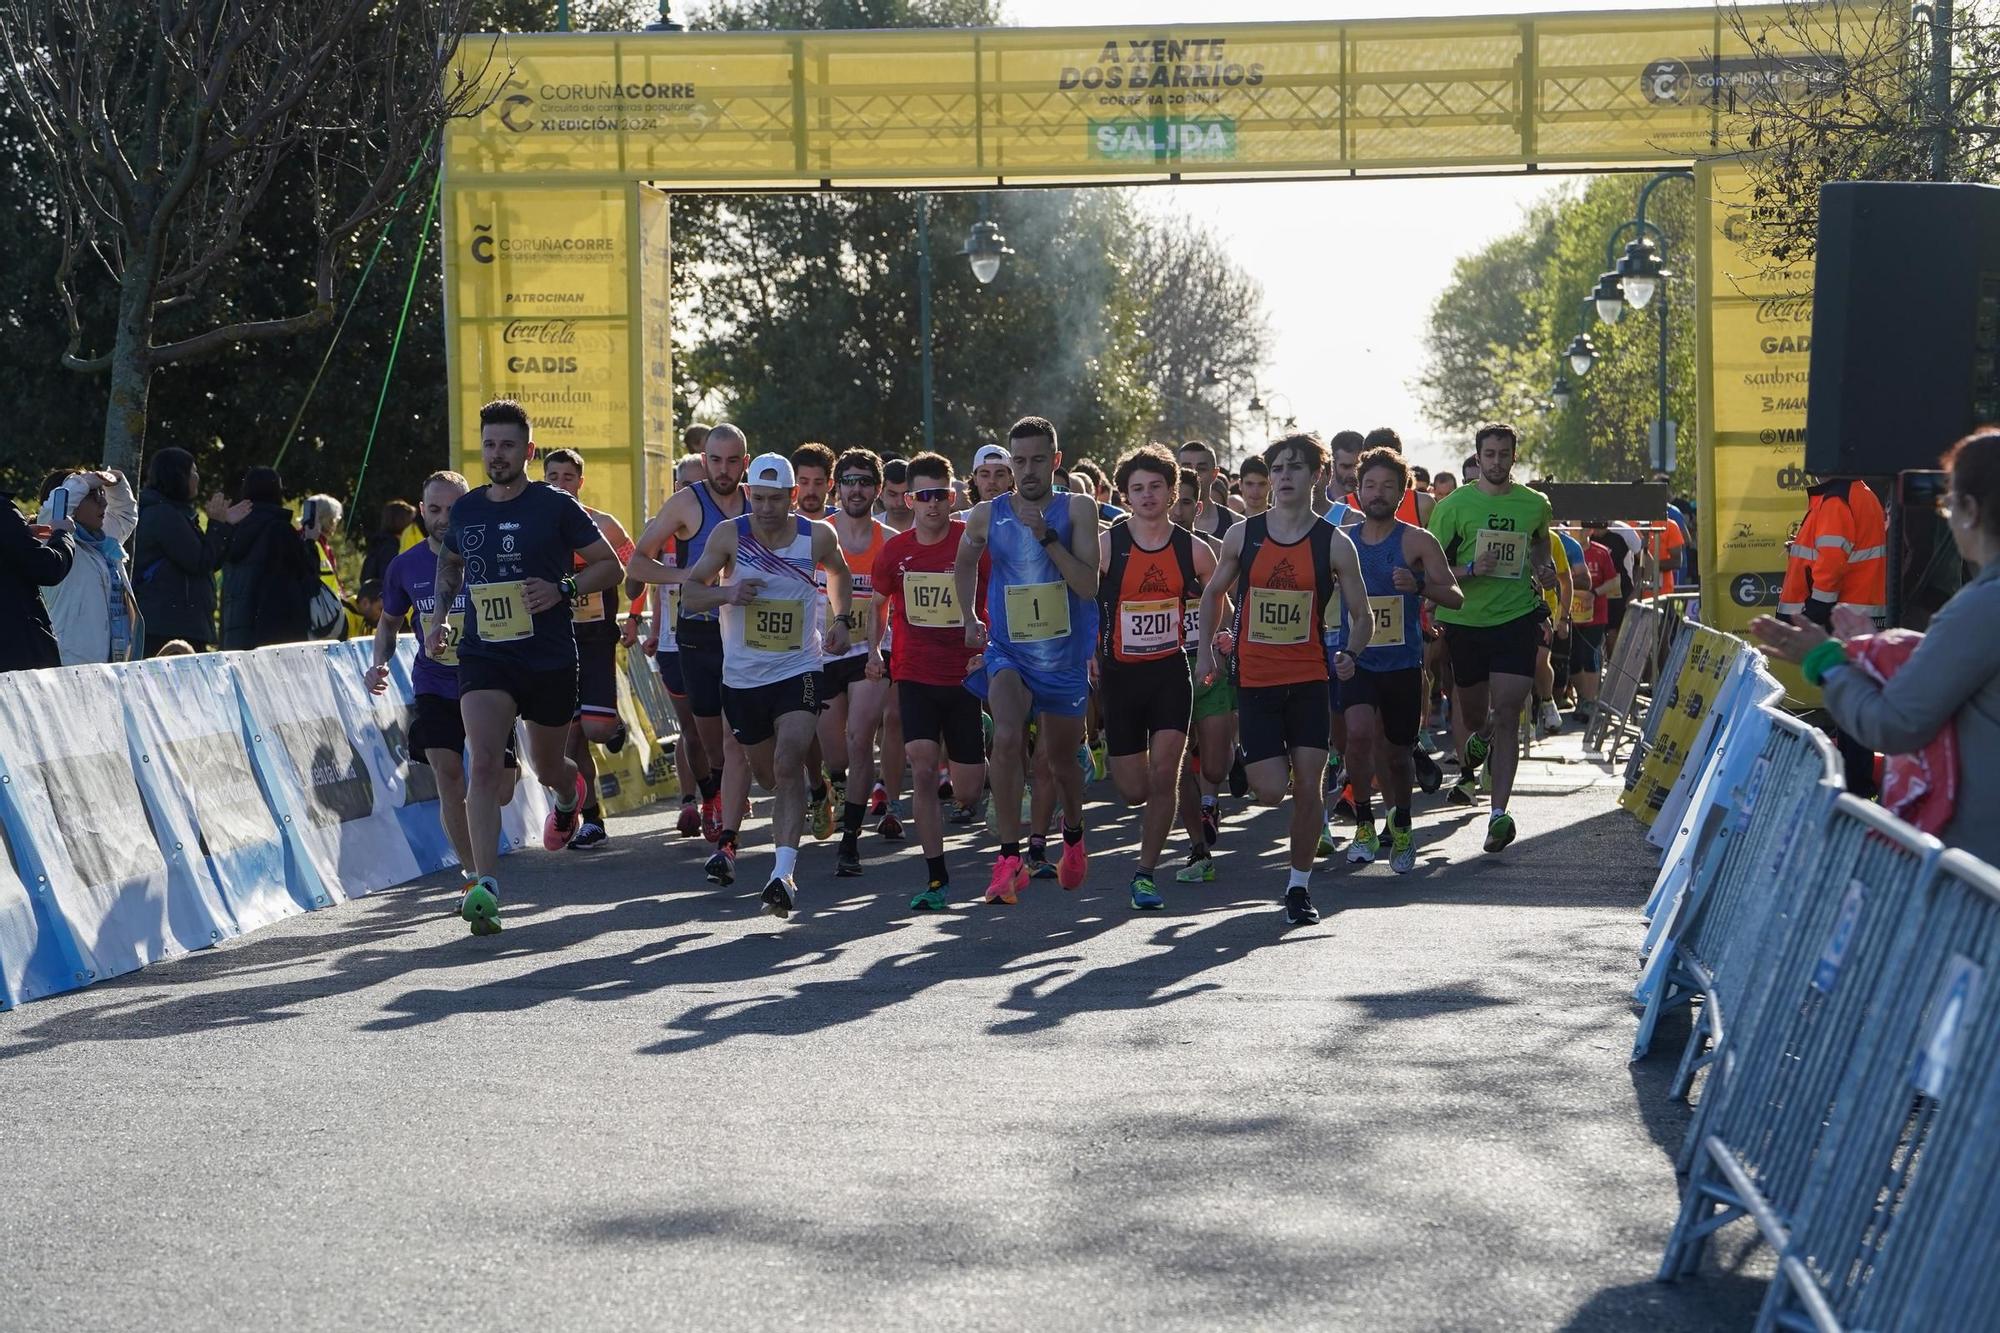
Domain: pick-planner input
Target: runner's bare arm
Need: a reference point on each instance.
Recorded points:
(1104, 552)
(602, 568)
(965, 572)
(699, 590)
(839, 586)
(1346, 562)
(1440, 584)
(659, 529)
(446, 585)
(1077, 562)
(1212, 596)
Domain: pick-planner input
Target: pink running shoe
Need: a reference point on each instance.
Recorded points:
(690, 824)
(1070, 869)
(555, 833)
(1009, 878)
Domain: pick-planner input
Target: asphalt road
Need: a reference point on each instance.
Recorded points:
(647, 1106)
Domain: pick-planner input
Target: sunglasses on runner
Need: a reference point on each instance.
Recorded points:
(859, 479)
(931, 494)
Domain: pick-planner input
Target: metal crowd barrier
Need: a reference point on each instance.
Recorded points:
(1847, 969)
(1618, 685)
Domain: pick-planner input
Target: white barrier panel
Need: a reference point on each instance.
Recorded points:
(336, 815)
(379, 727)
(113, 890)
(521, 818)
(193, 765)
(31, 961)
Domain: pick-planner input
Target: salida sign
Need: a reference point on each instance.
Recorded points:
(1177, 85)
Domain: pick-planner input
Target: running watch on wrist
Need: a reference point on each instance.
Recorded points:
(567, 586)
(1049, 538)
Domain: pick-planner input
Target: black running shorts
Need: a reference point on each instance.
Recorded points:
(947, 715)
(1137, 699)
(1273, 720)
(1396, 696)
(754, 710)
(546, 697)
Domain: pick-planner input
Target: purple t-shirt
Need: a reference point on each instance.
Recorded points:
(409, 582)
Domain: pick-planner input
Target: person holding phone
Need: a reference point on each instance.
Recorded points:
(91, 609)
(32, 557)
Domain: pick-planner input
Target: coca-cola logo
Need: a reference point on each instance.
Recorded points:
(540, 332)
(1794, 309)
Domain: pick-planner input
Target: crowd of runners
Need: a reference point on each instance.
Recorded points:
(1312, 630)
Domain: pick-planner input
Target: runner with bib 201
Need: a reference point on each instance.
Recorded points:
(1284, 566)
(1496, 536)
(509, 547)
(1037, 636)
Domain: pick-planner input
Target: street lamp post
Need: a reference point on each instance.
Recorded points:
(1633, 280)
(985, 247)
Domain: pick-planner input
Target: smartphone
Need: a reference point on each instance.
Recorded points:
(309, 514)
(59, 506)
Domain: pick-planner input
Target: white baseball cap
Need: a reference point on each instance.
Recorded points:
(772, 470)
(992, 453)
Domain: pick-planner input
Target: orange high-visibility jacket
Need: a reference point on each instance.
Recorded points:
(1839, 554)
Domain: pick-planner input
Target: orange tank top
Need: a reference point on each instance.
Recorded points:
(1151, 600)
(1406, 511)
(1278, 640)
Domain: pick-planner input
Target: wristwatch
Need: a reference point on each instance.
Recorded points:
(1049, 538)
(567, 586)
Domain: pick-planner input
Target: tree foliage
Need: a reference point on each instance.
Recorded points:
(1203, 318)
(1492, 302)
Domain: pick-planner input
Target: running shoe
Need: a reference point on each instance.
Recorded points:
(1499, 832)
(721, 868)
(1211, 825)
(780, 895)
(1328, 843)
(930, 900)
(1145, 897)
(690, 823)
(588, 834)
(1075, 862)
(1402, 852)
(1009, 878)
(1239, 779)
(944, 785)
(1198, 870)
(560, 826)
(1429, 776)
(1040, 867)
(878, 802)
(711, 817)
(847, 861)
(618, 739)
(1299, 909)
(1345, 805)
(1100, 761)
(1366, 844)
(1476, 750)
(837, 789)
(1464, 792)
(1552, 719)
(891, 828)
(1084, 762)
(822, 814)
(481, 905)
(961, 814)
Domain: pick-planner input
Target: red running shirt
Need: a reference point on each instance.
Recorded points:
(929, 645)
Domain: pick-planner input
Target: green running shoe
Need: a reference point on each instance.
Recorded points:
(1145, 897)
(822, 814)
(930, 900)
(1200, 870)
(1402, 852)
(1366, 844)
(1464, 792)
(1476, 750)
(1328, 844)
(1499, 832)
(481, 906)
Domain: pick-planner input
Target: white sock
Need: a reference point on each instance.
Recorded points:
(1300, 879)
(787, 861)
(1495, 815)
(571, 793)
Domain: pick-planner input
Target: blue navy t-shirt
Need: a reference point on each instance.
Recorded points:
(532, 536)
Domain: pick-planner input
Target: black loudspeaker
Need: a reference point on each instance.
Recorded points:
(1905, 325)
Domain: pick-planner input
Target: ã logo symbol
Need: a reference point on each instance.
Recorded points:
(1666, 82)
(515, 112)
(482, 242)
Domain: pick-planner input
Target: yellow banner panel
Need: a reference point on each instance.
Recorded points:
(1230, 100)
(1688, 704)
(654, 355)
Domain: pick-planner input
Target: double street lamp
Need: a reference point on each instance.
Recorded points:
(1633, 280)
(985, 247)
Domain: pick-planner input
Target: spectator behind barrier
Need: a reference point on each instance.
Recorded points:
(1953, 677)
(31, 558)
(395, 534)
(270, 569)
(91, 610)
(173, 559)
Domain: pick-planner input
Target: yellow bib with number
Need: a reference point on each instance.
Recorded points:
(1388, 613)
(1280, 617)
(454, 630)
(670, 606)
(1508, 549)
(931, 600)
(863, 611)
(1150, 627)
(774, 625)
(589, 609)
(501, 612)
(1582, 605)
(1037, 612)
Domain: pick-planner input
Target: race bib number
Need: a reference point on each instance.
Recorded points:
(1508, 549)
(1191, 626)
(1280, 617)
(931, 600)
(1150, 627)
(1582, 605)
(589, 610)
(670, 606)
(774, 625)
(502, 612)
(863, 611)
(1389, 630)
(454, 630)
(1037, 612)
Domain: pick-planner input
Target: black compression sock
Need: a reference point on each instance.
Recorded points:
(1072, 834)
(1402, 818)
(711, 786)
(851, 815)
(1364, 807)
(728, 839)
(934, 867)
(1038, 846)
(1010, 849)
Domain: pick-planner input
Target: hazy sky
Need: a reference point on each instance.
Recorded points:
(1349, 268)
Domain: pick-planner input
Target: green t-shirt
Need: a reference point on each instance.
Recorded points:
(1468, 521)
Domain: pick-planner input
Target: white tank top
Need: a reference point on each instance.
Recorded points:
(778, 635)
